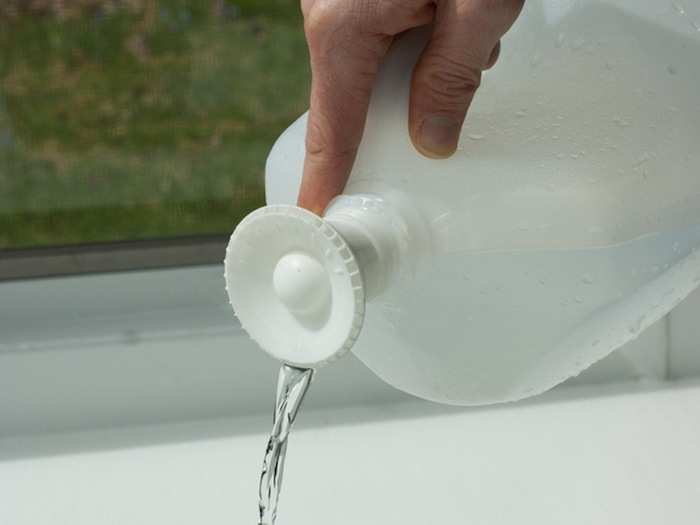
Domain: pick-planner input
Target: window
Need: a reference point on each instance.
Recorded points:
(126, 120)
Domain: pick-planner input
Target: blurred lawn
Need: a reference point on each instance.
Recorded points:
(141, 118)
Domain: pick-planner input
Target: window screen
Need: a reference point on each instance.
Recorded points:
(141, 119)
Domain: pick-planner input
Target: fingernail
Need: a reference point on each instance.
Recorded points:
(438, 136)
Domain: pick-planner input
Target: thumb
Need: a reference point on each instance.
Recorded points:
(464, 43)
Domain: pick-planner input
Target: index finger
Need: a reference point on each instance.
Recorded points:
(343, 68)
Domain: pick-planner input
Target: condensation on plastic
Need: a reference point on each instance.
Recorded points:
(567, 222)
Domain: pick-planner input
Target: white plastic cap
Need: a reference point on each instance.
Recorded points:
(301, 283)
(295, 285)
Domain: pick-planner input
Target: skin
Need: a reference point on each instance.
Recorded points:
(347, 41)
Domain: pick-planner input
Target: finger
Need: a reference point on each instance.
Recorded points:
(346, 45)
(495, 53)
(343, 69)
(464, 43)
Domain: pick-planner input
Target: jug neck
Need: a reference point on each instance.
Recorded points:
(385, 234)
(299, 282)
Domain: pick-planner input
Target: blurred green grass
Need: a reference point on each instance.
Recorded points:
(141, 118)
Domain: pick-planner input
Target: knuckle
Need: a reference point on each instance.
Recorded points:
(448, 82)
(320, 21)
(328, 20)
(344, 27)
(493, 57)
(499, 4)
(502, 12)
(322, 145)
(515, 5)
(511, 9)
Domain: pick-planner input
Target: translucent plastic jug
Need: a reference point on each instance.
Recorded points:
(567, 222)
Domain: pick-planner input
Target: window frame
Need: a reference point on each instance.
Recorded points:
(127, 255)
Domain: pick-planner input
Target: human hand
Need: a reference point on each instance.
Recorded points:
(347, 40)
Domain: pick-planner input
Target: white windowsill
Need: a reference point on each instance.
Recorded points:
(604, 455)
(135, 398)
(162, 346)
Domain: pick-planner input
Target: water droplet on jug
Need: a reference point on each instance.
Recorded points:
(671, 70)
(587, 279)
(643, 159)
(636, 326)
(560, 40)
(621, 122)
(476, 136)
(578, 44)
(678, 8)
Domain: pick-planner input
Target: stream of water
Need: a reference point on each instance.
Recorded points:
(292, 385)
